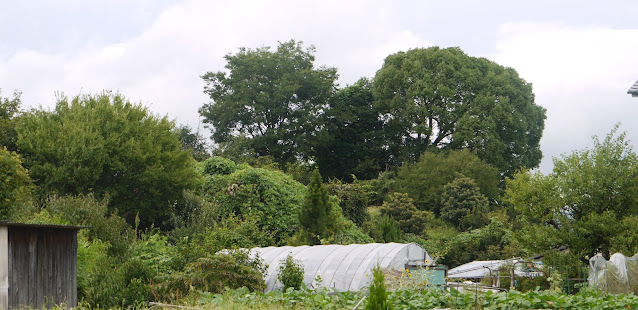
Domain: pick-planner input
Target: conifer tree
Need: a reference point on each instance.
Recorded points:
(378, 298)
(315, 214)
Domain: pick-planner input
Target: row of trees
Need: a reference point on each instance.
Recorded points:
(277, 103)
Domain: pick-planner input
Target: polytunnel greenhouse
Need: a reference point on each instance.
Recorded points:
(341, 267)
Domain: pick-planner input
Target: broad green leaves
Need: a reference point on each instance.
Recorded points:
(106, 145)
(268, 97)
(442, 98)
(589, 200)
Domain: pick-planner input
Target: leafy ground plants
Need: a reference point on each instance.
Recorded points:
(428, 299)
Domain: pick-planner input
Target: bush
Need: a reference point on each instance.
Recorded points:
(85, 210)
(15, 184)
(215, 273)
(400, 207)
(271, 197)
(219, 165)
(388, 230)
(353, 200)
(291, 273)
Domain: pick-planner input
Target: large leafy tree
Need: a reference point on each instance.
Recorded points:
(193, 142)
(351, 139)
(442, 98)
(109, 146)
(589, 203)
(270, 97)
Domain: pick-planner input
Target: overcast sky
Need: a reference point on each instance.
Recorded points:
(581, 56)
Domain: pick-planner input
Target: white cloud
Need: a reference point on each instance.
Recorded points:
(161, 64)
(580, 74)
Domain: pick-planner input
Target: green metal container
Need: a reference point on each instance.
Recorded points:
(434, 275)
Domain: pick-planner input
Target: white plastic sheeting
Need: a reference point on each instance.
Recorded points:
(482, 269)
(341, 267)
(618, 275)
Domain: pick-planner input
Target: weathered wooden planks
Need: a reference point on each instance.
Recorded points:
(41, 267)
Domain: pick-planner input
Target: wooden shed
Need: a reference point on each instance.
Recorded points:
(38, 265)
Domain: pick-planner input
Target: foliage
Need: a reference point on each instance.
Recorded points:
(290, 299)
(442, 98)
(97, 283)
(299, 171)
(353, 200)
(380, 187)
(192, 142)
(106, 145)
(407, 279)
(290, 273)
(268, 97)
(15, 185)
(349, 233)
(387, 230)
(272, 198)
(587, 203)
(487, 243)
(228, 233)
(316, 217)
(350, 142)
(106, 282)
(9, 112)
(425, 180)
(85, 210)
(219, 165)
(423, 299)
(400, 208)
(216, 273)
(378, 296)
(463, 204)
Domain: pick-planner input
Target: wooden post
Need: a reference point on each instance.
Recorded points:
(4, 268)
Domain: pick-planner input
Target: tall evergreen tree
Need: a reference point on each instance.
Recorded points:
(315, 214)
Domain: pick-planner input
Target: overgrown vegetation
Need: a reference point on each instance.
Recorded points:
(435, 149)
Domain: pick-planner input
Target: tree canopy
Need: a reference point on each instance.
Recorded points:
(442, 98)
(269, 97)
(425, 181)
(351, 138)
(588, 203)
(109, 146)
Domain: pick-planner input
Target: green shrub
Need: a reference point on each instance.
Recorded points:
(400, 207)
(85, 210)
(290, 273)
(387, 230)
(15, 184)
(353, 200)
(215, 273)
(271, 197)
(219, 165)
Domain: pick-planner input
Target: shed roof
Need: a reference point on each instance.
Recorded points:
(633, 90)
(341, 267)
(11, 224)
